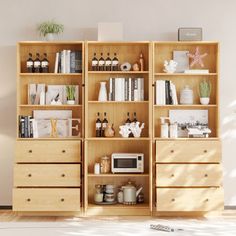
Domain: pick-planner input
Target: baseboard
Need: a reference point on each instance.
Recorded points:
(5, 207)
(230, 207)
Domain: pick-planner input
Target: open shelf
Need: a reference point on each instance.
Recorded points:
(117, 175)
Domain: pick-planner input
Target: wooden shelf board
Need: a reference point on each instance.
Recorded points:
(184, 74)
(118, 72)
(117, 102)
(186, 42)
(118, 139)
(142, 205)
(50, 106)
(121, 43)
(117, 175)
(187, 106)
(50, 74)
(34, 43)
(186, 139)
(59, 139)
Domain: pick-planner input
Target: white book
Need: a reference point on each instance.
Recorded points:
(110, 90)
(142, 89)
(196, 71)
(173, 93)
(130, 89)
(158, 94)
(123, 88)
(67, 61)
(63, 62)
(56, 63)
(118, 90)
(32, 93)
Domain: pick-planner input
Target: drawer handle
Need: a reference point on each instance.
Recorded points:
(172, 151)
(205, 151)
(30, 151)
(172, 175)
(63, 175)
(29, 175)
(63, 151)
(62, 199)
(207, 200)
(28, 199)
(206, 175)
(172, 199)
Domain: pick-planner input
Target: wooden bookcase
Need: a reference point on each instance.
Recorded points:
(48, 171)
(187, 168)
(95, 148)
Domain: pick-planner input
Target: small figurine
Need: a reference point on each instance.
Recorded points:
(197, 58)
(135, 129)
(141, 62)
(109, 131)
(124, 131)
(135, 67)
(170, 67)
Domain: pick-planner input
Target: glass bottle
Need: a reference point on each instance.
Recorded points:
(101, 63)
(104, 125)
(128, 121)
(37, 64)
(108, 62)
(141, 61)
(135, 118)
(98, 125)
(94, 63)
(115, 63)
(30, 64)
(45, 64)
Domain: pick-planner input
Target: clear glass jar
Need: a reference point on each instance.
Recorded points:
(105, 165)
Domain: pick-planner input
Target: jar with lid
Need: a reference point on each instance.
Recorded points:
(186, 95)
(105, 165)
(98, 197)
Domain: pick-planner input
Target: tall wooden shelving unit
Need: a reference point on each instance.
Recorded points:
(48, 171)
(188, 170)
(95, 148)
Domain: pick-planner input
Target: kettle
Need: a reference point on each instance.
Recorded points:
(130, 193)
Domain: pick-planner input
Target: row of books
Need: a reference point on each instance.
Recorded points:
(68, 61)
(126, 89)
(165, 93)
(26, 127)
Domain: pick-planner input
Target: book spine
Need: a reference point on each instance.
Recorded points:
(26, 127)
(72, 62)
(169, 93)
(130, 81)
(142, 89)
(126, 89)
(68, 61)
(166, 93)
(78, 61)
(113, 89)
(136, 89)
(132, 89)
(56, 63)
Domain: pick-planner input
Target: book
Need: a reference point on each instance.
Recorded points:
(196, 71)
(56, 69)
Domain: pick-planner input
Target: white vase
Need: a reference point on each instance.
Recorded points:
(204, 101)
(50, 37)
(102, 97)
(71, 102)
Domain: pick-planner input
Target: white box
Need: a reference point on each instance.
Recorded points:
(110, 31)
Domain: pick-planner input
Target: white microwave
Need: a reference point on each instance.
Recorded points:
(127, 163)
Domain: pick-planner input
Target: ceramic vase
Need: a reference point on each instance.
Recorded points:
(102, 97)
(204, 101)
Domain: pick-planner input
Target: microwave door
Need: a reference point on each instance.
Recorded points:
(125, 164)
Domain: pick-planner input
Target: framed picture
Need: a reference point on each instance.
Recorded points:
(181, 57)
(188, 119)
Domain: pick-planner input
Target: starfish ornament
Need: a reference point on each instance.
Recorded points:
(197, 58)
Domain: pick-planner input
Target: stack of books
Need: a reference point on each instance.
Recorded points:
(126, 89)
(68, 61)
(165, 93)
(26, 127)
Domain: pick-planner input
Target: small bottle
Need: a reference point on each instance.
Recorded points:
(101, 63)
(98, 125)
(141, 62)
(94, 63)
(104, 125)
(30, 64)
(135, 118)
(45, 64)
(108, 62)
(128, 121)
(37, 64)
(115, 63)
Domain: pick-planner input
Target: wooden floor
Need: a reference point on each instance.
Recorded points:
(9, 216)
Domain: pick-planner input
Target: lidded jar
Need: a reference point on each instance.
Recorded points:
(186, 95)
(105, 165)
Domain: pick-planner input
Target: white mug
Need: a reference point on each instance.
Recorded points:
(97, 168)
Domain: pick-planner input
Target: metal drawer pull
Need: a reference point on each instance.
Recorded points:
(63, 151)
(172, 151)
(30, 151)
(206, 175)
(172, 199)
(207, 200)
(28, 200)
(205, 151)
(172, 175)
(29, 175)
(62, 199)
(63, 175)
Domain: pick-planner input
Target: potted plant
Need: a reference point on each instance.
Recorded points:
(70, 94)
(49, 29)
(205, 92)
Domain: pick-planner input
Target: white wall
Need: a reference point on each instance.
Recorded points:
(143, 20)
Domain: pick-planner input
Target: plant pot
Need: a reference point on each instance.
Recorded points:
(204, 101)
(71, 102)
(50, 37)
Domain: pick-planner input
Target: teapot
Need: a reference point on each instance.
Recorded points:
(130, 193)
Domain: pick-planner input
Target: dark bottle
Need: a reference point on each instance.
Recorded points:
(30, 64)
(108, 63)
(45, 64)
(98, 125)
(95, 63)
(115, 63)
(128, 121)
(104, 125)
(101, 63)
(135, 118)
(37, 64)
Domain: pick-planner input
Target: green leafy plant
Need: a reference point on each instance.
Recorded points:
(70, 92)
(205, 89)
(50, 27)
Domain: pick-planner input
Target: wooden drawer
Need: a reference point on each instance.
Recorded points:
(189, 199)
(188, 151)
(38, 175)
(57, 199)
(48, 151)
(191, 175)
